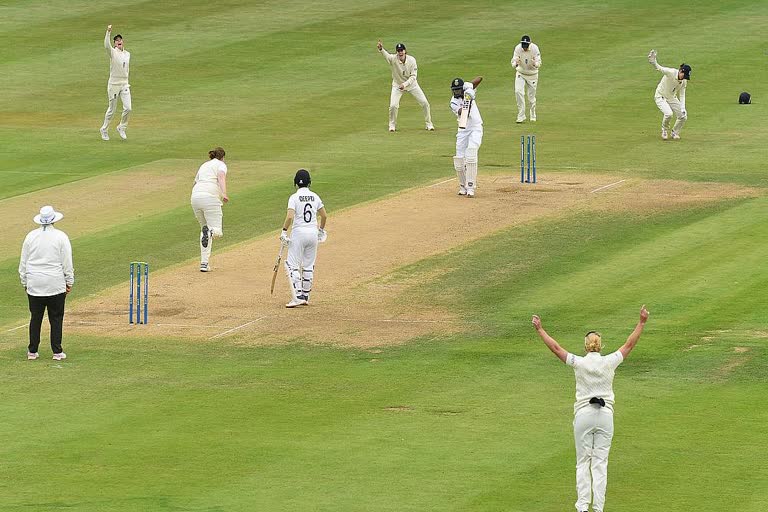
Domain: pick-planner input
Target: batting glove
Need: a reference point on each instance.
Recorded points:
(284, 239)
(322, 236)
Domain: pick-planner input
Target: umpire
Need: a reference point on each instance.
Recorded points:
(47, 275)
(593, 410)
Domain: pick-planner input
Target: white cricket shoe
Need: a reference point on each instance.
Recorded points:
(104, 134)
(121, 133)
(204, 267)
(675, 136)
(462, 190)
(32, 355)
(520, 119)
(60, 356)
(296, 302)
(664, 134)
(430, 128)
(470, 192)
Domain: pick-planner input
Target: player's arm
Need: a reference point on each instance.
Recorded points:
(107, 42)
(682, 99)
(553, 345)
(221, 178)
(323, 217)
(537, 59)
(627, 347)
(289, 219)
(476, 81)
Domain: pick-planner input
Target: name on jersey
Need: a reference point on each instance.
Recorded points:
(306, 199)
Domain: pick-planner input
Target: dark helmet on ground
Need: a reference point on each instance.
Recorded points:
(686, 69)
(457, 87)
(400, 46)
(302, 178)
(745, 98)
(525, 41)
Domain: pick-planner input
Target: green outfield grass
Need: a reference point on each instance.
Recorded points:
(479, 421)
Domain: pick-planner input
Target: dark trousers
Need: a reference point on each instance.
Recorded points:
(37, 307)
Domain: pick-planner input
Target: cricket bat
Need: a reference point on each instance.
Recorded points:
(465, 108)
(274, 270)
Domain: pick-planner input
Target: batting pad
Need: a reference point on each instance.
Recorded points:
(307, 275)
(471, 167)
(294, 277)
(458, 164)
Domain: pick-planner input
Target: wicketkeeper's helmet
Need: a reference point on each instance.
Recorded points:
(457, 87)
(302, 178)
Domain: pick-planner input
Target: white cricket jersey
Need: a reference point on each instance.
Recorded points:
(670, 87)
(306, 204)
(594, 377)
(526, 62)
(206, 180)
(475, 120)
(45, 267)
(403, 73)
(119, 62)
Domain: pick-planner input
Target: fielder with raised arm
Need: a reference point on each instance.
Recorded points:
(593, 410)
(526, 60)
(469, 139)
(304, 208)
(404, 71)
(670, 95)
(119, 63)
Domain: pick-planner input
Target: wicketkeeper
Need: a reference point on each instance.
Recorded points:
(670, 95)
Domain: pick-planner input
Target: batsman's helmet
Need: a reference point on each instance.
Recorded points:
(745, 98)
(525, 41)
(457, 87)
(302, 178)
(400, 46)
(686, 69)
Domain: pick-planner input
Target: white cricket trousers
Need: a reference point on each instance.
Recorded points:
(669, 107)
(300, 263)
(394, 104)
(526, 84)
(207, 208)
(592, 432)
(124, 93)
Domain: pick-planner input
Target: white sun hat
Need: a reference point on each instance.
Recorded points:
(48, 215)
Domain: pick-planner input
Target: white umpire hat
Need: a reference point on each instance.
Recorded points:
(47, 216)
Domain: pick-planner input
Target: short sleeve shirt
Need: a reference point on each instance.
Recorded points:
(206, 180)
(594, 377)
(306, 204)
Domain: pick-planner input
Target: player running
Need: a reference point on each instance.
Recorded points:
(208, 195)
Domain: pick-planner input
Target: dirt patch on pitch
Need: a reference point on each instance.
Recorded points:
(352, 303)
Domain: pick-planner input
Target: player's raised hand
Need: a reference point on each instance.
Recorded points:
(109, 28)
(652, 56)
(379, 45)
(536, 321)
(644, 314)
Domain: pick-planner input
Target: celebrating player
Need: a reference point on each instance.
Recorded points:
(119, 60)
(670, 95)
(304, 208)
(526, 60)
(469, 138)
(208, 195)
(593, 410)
(404, 72)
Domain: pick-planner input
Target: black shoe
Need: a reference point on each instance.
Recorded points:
(204, 240)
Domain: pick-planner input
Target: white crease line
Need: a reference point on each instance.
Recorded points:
(446, 181)
(236, 328)
(16, 328)
(606, 186)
